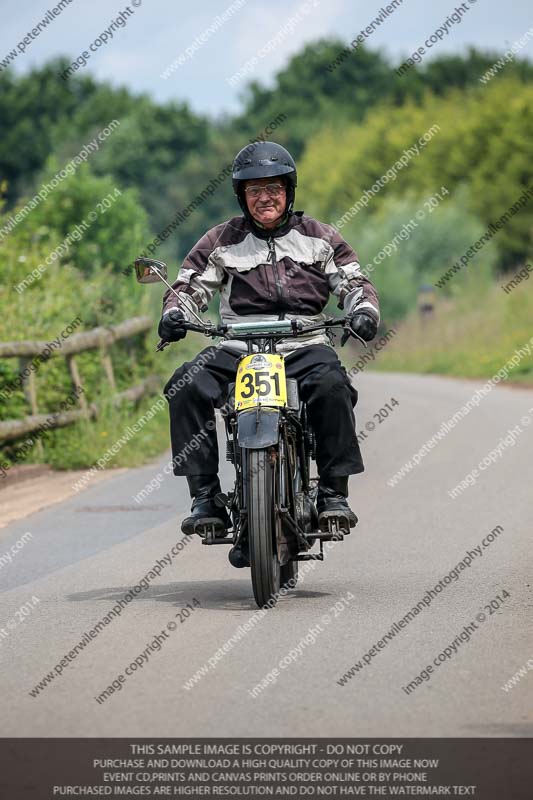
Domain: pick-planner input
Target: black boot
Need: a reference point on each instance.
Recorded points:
(204, 510)
(331, 503)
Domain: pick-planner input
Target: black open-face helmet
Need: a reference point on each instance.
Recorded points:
(263, 160)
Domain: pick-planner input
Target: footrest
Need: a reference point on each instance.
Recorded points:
(218, 540)
(209, 527)
(309, 557)
(334, 523)
(325, 537)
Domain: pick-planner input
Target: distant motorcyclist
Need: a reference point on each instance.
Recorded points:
(269, 263)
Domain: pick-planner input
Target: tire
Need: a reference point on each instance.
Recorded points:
(261, 482)
(289, 575)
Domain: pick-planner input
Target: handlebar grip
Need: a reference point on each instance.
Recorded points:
(191, 326)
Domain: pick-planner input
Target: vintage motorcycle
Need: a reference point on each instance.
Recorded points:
(271, 446)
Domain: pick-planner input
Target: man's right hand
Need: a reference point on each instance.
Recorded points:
(171, 326)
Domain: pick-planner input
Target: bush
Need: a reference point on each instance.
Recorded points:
(400, 251)
(81, 283)
(485, 140)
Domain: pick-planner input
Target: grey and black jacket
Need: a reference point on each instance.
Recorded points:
(284, 273)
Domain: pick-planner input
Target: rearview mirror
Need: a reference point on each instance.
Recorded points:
(149, 270)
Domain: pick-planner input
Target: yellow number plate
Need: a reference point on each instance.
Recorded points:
(260, 381)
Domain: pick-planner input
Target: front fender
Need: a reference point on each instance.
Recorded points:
(258, 427)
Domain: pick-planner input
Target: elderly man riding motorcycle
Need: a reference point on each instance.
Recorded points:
(269, 263)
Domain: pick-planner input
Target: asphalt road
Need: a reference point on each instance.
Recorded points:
(90, 551)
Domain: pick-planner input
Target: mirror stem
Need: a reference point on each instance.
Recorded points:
(191, 310)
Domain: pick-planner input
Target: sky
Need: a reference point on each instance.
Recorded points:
(238, 35)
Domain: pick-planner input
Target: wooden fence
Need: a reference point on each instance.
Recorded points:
(97, 338)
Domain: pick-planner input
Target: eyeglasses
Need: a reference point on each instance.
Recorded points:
(272, 189)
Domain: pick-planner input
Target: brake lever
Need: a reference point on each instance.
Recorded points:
(349, 332)
(161, 345)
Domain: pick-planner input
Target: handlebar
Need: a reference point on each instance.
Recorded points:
(277, 329)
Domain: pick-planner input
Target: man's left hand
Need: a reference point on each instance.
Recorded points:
(364, 325)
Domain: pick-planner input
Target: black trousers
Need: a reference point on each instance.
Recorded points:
(199, 386)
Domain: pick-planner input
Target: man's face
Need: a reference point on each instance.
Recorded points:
(266, 208)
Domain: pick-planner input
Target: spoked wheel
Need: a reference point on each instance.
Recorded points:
(261, 495)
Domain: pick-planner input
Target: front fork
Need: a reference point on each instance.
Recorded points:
(293, 463)
(236, 500)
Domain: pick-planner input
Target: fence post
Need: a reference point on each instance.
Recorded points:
(77, 384)
(107, 364)
(30, 392)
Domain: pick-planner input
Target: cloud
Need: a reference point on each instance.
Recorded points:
(162, 29)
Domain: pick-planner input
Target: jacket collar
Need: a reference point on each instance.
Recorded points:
(283, 228)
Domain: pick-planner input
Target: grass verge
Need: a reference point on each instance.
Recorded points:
(472, 335)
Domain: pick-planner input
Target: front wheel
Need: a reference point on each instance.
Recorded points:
(262, 491)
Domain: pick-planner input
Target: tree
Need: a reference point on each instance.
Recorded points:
(31, 106)
(484, 139)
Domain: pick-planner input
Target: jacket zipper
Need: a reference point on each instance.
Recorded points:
(273, 260)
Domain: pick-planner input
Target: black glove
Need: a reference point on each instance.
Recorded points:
(364, 325)
(171, 326)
